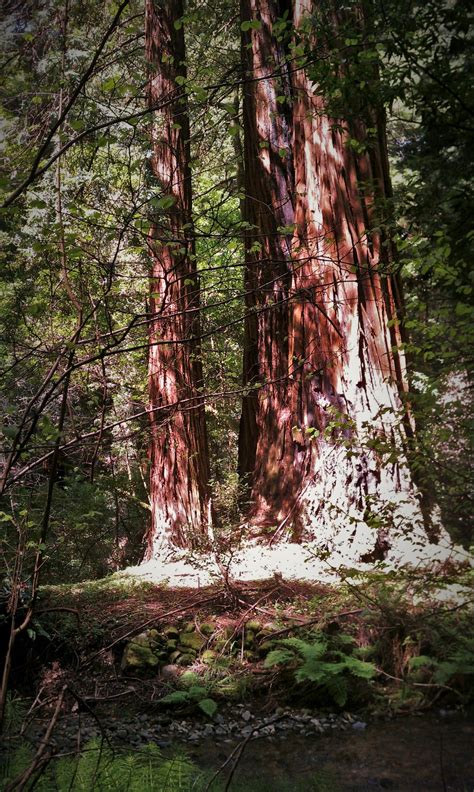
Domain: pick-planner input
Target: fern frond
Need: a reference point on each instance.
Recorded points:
(360, 668)
(176, 697)
(278, 657)
(305, 649)
(337, 688)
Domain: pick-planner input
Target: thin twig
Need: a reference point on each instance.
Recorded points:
(21, 781)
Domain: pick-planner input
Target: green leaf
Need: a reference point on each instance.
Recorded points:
(250, 24)
(209, 706)
(176, 697)
(197, 691)
(4, 517)
(165, 202)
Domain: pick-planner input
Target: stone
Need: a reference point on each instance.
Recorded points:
(186, 659)
(207, 628)
(171, 632)
(359, 725)
(140, 654)
(174, 656)
(253, 626)
(191, 640)
(169, 671)
(246, 716)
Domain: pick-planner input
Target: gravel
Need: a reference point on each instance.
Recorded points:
(234, 723)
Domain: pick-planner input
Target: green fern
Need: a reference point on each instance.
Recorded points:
(196, 694)
(318, 663)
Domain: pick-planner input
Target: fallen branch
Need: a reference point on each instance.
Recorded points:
(309, 622)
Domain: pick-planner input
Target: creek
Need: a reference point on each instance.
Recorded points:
(426, 753)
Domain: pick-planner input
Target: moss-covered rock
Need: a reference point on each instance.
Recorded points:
(174, 656)
(171, 632)
(186, 659)
(189, 627)
(207, 628)
(141, 654)
(265, 647)
(253, 626)
(191, 640)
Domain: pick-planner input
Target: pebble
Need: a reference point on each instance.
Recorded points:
(359, 725)
(162, 730)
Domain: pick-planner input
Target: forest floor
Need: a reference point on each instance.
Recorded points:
(386, 618)
(137, 664)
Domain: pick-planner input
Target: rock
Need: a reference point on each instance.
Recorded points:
(186, 659)
(171, 632)
(359, 725)
(192, 640)
(140, 654)
(253, 626)
(189, 627)
(246, 716)
(207, 628)
(169, 671)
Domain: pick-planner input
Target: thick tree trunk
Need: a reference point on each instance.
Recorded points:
(268, 210)
(178, 448)
(329, 416)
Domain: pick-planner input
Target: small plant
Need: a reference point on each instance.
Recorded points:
(328, 668)
(457, 665)
(195, 695)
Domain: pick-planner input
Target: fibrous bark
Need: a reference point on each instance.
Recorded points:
(178, 447)
(330, 417)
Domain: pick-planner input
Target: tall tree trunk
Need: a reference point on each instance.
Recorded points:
(178, 448)
(329, 460)
(268, 211)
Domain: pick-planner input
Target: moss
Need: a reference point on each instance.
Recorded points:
(171, 631)
(189, 627)
(208, 656)
(253, 626)
(265, 647)
(174, 656)
(191, 640)
(140, 654)
(207, 628)
(186, 659)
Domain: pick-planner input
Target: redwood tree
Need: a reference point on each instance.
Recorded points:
(178, 447)
(322, 335)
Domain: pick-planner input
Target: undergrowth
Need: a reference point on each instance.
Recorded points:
(100, 769)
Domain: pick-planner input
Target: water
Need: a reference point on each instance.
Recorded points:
(423, 754)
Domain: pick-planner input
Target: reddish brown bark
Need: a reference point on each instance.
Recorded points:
(268, 209)
(178, 448)
(327, 341)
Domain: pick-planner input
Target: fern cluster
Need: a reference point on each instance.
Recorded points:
(326, 667)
